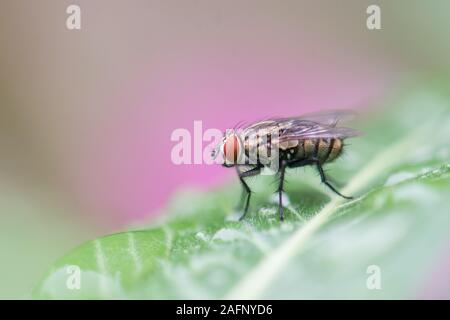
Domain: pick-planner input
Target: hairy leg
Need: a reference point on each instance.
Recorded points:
(246, 192)
(329, 185)
(280, 189)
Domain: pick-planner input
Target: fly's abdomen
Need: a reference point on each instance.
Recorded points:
(324, 150)
(335, 149)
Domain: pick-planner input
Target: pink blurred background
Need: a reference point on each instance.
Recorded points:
(86, 116)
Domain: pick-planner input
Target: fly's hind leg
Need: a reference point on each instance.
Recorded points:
(280, 189)
(246, 192)
(329, 185)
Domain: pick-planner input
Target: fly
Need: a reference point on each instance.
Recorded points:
(313, 139)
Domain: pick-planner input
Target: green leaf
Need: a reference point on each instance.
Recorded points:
(399, 172)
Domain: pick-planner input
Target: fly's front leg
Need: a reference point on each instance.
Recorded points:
(325, 181)
(246, 192)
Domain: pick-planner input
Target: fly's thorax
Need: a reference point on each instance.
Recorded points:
(259, 147)
(251, 149)
(289, 150)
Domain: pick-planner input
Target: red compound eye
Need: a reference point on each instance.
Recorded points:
(231, 149)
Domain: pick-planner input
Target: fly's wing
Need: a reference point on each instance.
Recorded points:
(313, 125)
(299, 129)
(328, 118)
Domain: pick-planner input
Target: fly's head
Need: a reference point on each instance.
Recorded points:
(230, 148)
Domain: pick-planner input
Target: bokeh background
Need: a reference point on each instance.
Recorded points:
(86, 116)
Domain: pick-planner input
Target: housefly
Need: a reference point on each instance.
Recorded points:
(281, 143)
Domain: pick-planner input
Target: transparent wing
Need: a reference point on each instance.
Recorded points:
(309, 126)
(305, 129)
(327, 118)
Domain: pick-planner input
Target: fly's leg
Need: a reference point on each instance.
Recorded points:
(280, 189)
(245, 189)
(324, 180)
(246, 192)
